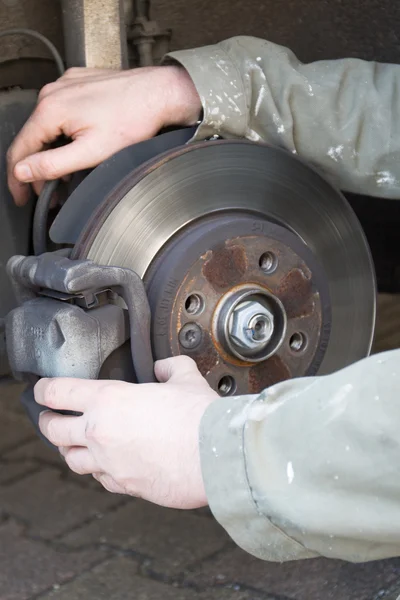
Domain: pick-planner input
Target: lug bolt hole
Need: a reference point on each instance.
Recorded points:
(194, 304)
(268, 263)
(298, 342)
(226, 386)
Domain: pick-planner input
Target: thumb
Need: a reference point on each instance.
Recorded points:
(59, 162)
(178, 369)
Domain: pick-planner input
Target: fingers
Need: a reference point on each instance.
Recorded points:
(42, 128)
(81, 461)
(83, 105)
(67, 393)
(37, 187)
(181, 370)
(21, 192)
(62, 430)
(60, 162)
(177, 368)
(109, 483)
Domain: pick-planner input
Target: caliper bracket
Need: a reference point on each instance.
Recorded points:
(66, 326)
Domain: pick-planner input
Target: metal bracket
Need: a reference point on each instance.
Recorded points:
(146, 36)
(65, 324)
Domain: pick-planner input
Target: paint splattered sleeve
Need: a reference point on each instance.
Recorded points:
(311, 467)
(341, 116)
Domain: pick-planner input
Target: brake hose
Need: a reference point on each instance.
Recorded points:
(35, 34)
(39, 229)
(39, 234)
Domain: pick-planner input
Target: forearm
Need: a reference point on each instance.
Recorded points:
(311, 466)
(342, 116)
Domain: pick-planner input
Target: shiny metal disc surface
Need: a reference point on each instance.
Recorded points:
(163, 196)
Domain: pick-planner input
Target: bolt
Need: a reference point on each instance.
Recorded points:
(251, 325)
(190, 336)
(260, 328)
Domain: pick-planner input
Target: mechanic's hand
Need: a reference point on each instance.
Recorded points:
(141, 440)
(102, 112)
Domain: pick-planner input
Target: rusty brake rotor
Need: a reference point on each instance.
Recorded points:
(254, 265)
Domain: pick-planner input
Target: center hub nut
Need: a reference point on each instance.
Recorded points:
(250, 323)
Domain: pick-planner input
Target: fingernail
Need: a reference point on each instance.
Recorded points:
(44, 412)
(23, 172)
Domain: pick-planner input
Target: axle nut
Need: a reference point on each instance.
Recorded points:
(251, 325)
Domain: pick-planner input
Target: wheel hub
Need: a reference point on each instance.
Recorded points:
(219, 300)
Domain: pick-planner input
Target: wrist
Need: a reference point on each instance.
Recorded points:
(182, 103)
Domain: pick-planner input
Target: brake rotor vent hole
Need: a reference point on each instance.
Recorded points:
(268, 262)
(298, 342)
(194, 304)
(226, 386)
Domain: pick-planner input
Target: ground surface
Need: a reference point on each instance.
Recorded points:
(63, 538)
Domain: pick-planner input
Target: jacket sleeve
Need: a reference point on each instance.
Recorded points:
(342, 116)
(311, 467)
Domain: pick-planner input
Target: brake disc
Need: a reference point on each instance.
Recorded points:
(254, 265)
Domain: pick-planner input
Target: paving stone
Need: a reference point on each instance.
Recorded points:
(28, 568)
(14, 471)
(14, 428)
(52, 506)
(235, 593)
(34, 450)
(203, 512)
(10, 398)
(391, 594)
(117, 580)
(304, 580)
(172, 538)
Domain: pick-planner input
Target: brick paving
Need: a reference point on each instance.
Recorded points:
(64, 538)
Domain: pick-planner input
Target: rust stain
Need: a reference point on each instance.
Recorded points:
(225, 266)
(206, 359)
(268, 373)
(296, 294)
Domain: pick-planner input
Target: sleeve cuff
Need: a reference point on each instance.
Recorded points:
(223, 460)
(221, 90)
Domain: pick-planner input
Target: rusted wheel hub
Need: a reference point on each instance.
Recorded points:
(251, 308)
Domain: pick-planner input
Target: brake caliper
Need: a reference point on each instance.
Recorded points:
(72, 315)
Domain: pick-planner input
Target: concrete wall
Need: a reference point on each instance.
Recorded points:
(42, 15)
(313, 29)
